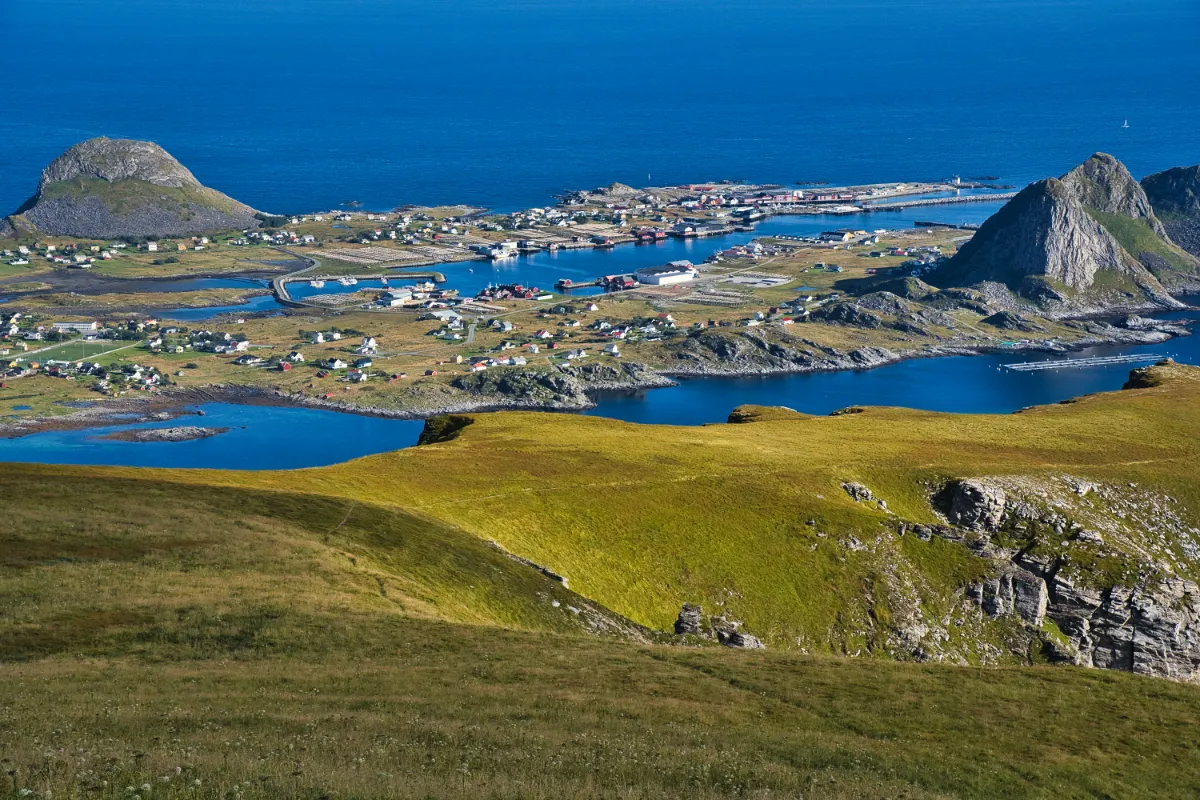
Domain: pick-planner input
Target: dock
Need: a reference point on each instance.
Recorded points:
(939, 201)
(1096, 361)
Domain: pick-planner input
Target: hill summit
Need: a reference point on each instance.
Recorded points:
(1086, 241)
(122, 187)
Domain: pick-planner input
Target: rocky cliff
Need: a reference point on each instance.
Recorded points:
(1103, 184)
(1175, 197)
(107, 188)
(1084, 242)
(1100, 575)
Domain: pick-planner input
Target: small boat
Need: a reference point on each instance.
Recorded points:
(1126, 125)
(347, 281)
(317, 284)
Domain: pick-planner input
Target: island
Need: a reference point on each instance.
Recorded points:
(112, 291)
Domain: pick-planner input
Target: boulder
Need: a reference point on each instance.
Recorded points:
(690, 620)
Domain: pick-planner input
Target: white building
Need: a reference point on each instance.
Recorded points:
(77, 327)
(675, 272)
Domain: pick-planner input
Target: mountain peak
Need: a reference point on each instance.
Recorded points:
(114, 160)
(106, 188)
(1102, 183)
(1051, 242)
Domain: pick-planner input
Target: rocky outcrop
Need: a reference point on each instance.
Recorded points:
(1109, 569)
(975, 505)
(562, 387)
(1102, 183)
(183, 433)
(1175, 196)
(723, 629)
(1012, 321)
(107, 188)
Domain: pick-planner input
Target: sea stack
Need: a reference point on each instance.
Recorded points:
(109, 188)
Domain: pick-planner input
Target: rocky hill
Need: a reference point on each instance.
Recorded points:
(1175, 197)
(120, 187)
(1087, 241)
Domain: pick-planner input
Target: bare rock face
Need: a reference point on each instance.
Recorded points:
(118, 160)
(1015, 592)
(1175, 197)
(976, 505)
(727, 631)
(1104, 184)
(1043, 231)
(690, 621)
(1146, 620)
(108, 188)
(1049, 243)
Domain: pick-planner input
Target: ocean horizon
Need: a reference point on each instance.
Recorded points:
(306, 105)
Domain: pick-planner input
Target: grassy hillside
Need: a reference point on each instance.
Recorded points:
(350, 630)
(642, 519)
(463, 712)
(1140, 240)
(125, 196)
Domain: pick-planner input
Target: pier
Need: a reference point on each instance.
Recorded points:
(939, 201)
(1097, 361)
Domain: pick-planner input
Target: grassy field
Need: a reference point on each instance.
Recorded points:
(642, 519)
(350, 631)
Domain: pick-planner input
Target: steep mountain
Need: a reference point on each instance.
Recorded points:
(1083, 242)
(1175, 197)
(121, 187)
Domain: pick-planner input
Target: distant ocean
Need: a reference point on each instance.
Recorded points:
(306, 104)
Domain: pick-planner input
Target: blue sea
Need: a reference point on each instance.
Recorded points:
(305, 104)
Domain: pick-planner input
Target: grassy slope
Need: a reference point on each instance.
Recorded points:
(291, 631)
(124, 196)
(642, 519)
(455, 711)
(1136, 236)
(111, 566)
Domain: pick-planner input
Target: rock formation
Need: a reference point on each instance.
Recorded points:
(1175, 197)
(107, 188)
(1048, 540)
(1087, 241)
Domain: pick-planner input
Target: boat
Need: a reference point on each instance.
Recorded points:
(317, 284)
(347, 281)
(1126, 125)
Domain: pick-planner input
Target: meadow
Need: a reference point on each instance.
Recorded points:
(362, 631)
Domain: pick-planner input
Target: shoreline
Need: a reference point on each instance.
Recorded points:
(174, 404)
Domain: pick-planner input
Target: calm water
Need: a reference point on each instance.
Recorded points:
(543, 269)
(304, 104)
(259, 437)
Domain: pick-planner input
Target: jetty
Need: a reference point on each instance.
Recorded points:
(939, 201)
(1096, 361)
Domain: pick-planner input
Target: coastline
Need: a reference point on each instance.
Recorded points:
(580, 390)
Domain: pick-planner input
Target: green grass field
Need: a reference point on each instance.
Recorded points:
(351, 631)
(78, 349)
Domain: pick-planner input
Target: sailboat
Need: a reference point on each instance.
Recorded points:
(1126, 125)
